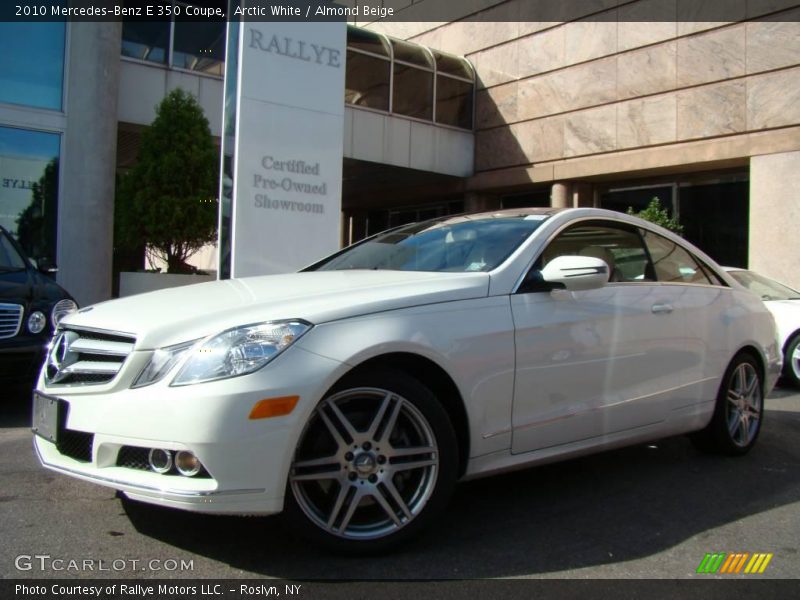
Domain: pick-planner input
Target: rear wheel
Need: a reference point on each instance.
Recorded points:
(375, 463)
(791, 361)
(739, 410)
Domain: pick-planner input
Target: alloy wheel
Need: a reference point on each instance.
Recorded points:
(744, 402)
(366, 464)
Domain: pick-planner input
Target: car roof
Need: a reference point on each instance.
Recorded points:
(509, 212)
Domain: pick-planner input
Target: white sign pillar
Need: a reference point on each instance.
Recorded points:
(287, 182)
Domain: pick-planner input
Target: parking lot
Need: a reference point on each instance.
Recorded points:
(650, 511)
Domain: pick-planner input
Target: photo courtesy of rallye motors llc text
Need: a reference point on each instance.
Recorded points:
(148, 590)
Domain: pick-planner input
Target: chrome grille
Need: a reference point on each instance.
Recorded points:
(85, 357)
(10, 320)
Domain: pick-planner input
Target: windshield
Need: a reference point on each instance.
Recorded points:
(10, 260)
(452, 244)
(766, 288)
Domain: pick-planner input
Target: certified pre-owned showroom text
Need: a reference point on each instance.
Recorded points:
(45, 562)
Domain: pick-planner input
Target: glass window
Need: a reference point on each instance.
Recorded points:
(620, 247)
(413, 92)
(9, 257)
(454, 244)
(767, 289)
(32, 67)
(368, 41)
(453, 65)
(638, 198)
(146, 40)
(367, 81)
(716, 218)
(712, 275)
(29, 189)
(199, 46)
(453, 102)
(411, 53)
(671, 262)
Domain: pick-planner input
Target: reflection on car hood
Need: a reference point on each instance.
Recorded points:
(179, 314)
(15, 286)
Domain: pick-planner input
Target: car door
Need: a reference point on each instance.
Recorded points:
(599, 362)
(701, 297)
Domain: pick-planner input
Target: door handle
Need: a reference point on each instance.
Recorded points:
(662, 308)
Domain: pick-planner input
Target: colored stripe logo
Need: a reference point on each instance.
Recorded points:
(734, 563)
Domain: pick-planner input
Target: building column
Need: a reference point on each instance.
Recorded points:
(474, 202)
(775, 216)
(88, 166)
(559, 195)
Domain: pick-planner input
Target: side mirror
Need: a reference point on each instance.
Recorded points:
(46, 266)
(577, 273)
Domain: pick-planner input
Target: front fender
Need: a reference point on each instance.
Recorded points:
(471, 340)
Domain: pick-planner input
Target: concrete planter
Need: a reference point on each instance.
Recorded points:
(139, 283)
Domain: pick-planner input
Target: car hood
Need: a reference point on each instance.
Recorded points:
(177, 315)
(16, 286)
(22, 286)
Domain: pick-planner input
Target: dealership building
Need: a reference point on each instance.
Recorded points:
(607, 103)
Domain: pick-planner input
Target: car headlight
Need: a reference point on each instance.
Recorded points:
(239, 351)
(37, 322)
(61, 309)
(161, 363)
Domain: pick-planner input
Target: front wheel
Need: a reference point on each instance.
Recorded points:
(375, 463)
(739, 410)
(791, 361)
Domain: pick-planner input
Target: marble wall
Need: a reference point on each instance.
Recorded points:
(609, 82)
(774, 214)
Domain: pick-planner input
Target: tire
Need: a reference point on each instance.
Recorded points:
(738, 413)
(376, 462)
(791, 361)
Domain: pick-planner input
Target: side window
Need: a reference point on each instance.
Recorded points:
(619, 246)
(710, 273)
(671, 262)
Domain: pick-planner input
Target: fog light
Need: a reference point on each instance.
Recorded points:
(160, 460)
(36, 322)
(187, 463)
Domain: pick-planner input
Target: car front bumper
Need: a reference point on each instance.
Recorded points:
(247, 460)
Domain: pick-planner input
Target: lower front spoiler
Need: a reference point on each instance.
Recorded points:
(230, 502)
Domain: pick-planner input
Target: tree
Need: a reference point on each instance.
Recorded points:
(36, 224)
(655, 213)
(167, 200)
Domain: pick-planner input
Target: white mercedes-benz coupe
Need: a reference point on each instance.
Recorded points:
(354, 395)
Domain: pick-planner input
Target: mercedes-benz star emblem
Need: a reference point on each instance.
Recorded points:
(61, 356)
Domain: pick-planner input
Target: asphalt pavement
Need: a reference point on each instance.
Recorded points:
(649, 511)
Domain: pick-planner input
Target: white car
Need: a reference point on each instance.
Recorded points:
(353, 395)
(784, 304)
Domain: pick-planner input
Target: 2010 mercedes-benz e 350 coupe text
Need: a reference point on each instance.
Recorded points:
(354, 394)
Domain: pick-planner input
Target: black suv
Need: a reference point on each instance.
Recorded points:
(31, 305)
